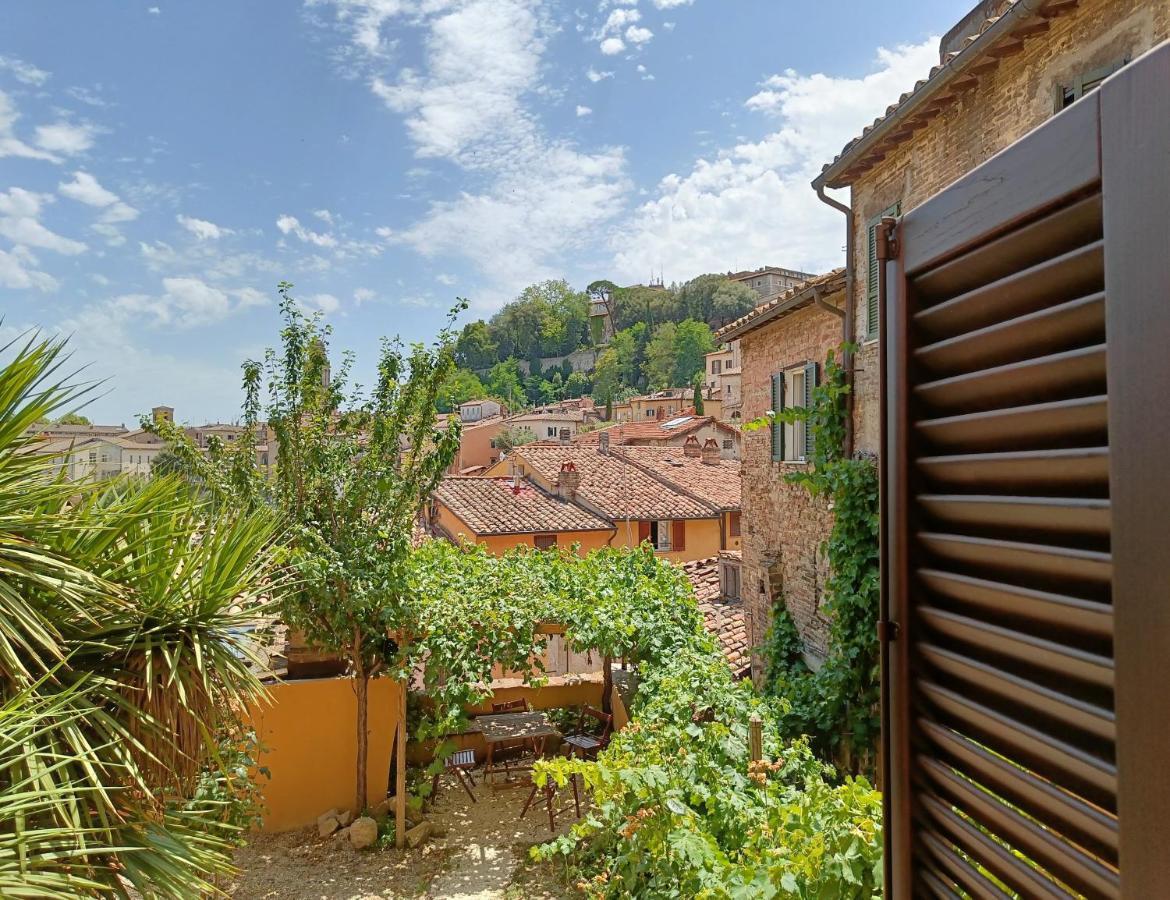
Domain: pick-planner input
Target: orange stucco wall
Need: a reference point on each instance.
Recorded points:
(734, 542)
(501, 543)
(309, 736)
(475, 446)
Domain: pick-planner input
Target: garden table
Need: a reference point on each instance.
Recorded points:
(533, 726)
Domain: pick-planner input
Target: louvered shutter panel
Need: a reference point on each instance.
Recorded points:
(810, 381)
(777, 425)
(643, 531)
(1027, 497)
(872, 325)
(678, 536)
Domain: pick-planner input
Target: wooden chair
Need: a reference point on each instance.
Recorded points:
(461, 762)
(585, 744)
(517, 749)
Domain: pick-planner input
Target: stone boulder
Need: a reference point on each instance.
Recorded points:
(328, 822)
(363, 833)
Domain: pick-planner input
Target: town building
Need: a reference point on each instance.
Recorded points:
(550, 424)
(722, 374)
(679, 432)
(666, 404)
(686, 506)
(715, 581)
(770, 280)
(783, 345)
(482, 420)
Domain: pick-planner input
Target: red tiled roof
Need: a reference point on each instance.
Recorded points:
(614, 486)
(783, 303)
(652, 430)
(724, 618)
(958, 71)
(718, 484)
(495, 506)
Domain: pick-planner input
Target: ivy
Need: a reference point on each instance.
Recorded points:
(837, 706)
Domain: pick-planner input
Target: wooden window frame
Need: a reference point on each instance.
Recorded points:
(549, 541)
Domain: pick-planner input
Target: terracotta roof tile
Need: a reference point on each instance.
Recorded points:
(614, 486)
(495, 506)
(630, 432)
(716, 483)
(724, 618)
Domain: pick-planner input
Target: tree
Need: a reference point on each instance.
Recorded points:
(607, 376)
(124, 656)
(731, 300)
(514, 436)
(353, 474)
(476, 349)
(659, 367)
(577, 385)
(505, 382)
(462, 385)
(692, 342)
(697, 400)
(72, 418)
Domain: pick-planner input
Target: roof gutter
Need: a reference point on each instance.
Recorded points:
(849, 317)
(834, 173)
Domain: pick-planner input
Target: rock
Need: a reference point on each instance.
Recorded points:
(418, 834)
(383, 809)
(439, 831)
(328, 822)
(363, 833)
(345, 818)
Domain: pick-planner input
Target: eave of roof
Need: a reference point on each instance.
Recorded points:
(944, 83)
(783, 304)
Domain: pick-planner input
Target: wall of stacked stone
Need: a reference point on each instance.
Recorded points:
(1008, 102)
(784, 528)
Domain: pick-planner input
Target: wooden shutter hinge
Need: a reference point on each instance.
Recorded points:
(885, 239)
(887, 631)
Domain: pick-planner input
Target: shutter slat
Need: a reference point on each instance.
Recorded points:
(1056, 329)
(1059, 376)
(1082, 469)
(1067, 862)
(960, 871)
(1056, 515)
(1091, 827)
(1058, 761)
(1063, 423)
(993, 857)
(1042, 560)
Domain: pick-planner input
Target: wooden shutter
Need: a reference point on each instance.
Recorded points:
(643, 531)
(1027, 507)
(872, 319)
(678, 534)
(810, 381)
(777, 425)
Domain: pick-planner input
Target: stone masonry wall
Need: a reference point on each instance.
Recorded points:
(1008, 102)
(783, 526)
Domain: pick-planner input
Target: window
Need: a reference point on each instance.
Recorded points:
(649, 414)
(716, 366)
(728, 444)
(93, 457)
(792, 441)
(667, 535)
(733, 523)
(1085, 83)
(871, 286)
(552, 431)
(729, 580)
(545, 541)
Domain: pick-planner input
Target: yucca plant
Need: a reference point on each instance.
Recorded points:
(125, 609)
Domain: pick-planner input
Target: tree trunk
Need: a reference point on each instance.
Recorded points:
(361, 684)
(607, 684)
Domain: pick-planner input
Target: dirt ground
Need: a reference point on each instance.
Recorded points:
(483, 856)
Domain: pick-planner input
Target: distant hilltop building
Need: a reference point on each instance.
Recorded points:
(770, 279)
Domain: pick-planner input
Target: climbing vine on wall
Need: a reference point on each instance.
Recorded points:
(837, 706)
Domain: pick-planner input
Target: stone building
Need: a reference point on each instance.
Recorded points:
(770, 280)
(783, 345)
(1007, 67)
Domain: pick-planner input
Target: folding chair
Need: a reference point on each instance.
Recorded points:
(461, 762)
(587, 745)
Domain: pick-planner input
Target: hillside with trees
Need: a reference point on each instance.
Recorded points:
(661, 335)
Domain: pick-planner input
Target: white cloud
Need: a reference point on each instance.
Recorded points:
(291, 225)
(202, 229)
(19, 222)
(671, 4)
(185, 302)
(751, 203)
(448, 280)
(595, 76)
(326, 303)
(612, 46)
(84, 188)
(153, 10)
(635, 34)
(65, 137)
(25, 73)
(619, 19)
(583, 111)
(363, 295)
(17, 272)
(10, 144)
(325, 216)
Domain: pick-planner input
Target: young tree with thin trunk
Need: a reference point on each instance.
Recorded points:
(353, 473)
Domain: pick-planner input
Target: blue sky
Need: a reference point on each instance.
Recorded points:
(163, 166)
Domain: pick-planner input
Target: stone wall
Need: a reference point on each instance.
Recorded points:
(783, 526)
(1007, 103)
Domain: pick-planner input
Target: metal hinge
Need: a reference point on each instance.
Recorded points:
(887, 631)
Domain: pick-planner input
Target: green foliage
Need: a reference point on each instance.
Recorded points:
(459, 387)
(679, 810)
(72, 418)
(514, 436)
(506, 383)
(697, 399)
(675, 354)
(659, 366)
(124, 608)
(838, 704)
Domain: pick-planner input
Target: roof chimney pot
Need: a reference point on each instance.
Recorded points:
(692, 447)
(711, 455)
(568, 480)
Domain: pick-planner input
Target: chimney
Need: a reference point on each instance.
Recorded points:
(711, 455)
(603, 443)
(691, 447)
(568, 480)
(566, 435)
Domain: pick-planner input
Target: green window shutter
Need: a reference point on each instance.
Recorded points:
(810, 382)
(871, 286)
(777, 425)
